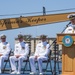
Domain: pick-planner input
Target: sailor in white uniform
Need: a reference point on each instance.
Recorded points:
(20, 53)
(41, 54)
(71, 28)
(4, 50)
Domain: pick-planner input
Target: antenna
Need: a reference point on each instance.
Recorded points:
(44, 11)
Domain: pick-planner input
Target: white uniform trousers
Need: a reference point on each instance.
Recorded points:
(13, 59)
(2, 58)
(39, 60)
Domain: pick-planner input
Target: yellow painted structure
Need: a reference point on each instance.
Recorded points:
(20, 22)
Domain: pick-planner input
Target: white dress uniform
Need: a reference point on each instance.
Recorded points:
(5, 50)
(22, 49)
(70, 29)
(42, 50)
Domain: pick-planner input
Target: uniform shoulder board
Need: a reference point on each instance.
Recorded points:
(47, 42)
(24, 42)
(39, 42)
(6, 42)
(17, 42)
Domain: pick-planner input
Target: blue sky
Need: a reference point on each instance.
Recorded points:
(28, 6)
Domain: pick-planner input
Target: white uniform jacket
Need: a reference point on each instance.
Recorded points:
(21, 48)
(5, 48)
(42, 49)
(70, 29)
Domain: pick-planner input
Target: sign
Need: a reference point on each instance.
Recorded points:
(67, 41)
(20, 22)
